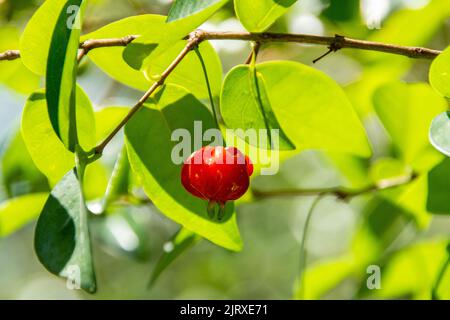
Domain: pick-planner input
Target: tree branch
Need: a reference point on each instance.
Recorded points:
(340, 193)
(337, 42)
(194, 39)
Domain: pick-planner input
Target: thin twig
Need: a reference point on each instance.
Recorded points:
(340, 193)
(303, 249)
(256, 46)
(412, 52)
(10, 55)
(194, 39)
(88, 45)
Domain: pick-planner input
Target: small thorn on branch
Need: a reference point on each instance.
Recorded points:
(336, 45)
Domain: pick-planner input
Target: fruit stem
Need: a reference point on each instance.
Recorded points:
(211, 209)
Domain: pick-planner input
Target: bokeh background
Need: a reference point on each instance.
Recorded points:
(128, 243)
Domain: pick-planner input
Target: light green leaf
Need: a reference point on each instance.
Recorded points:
(421, 262)
(36, 38)
(14, 74)
(312, 109)
(183, 9)
(151, 129)
(119, 183)
(111, 60)
(61, 75)
(440, 73)
(108, 118)
(324, 276)
(257, 16)
(181, 241)
(46, 150)
(244, 105)
(439, 188)
(17, 212)
(152, 44)
(62, 240)
(440, 133)
(406, 111)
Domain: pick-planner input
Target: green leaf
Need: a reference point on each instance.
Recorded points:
(61, 76)
(47, 151)
(244, 104)
(151, 129)
(35, 41)
(110, 60)
(440, 73)
(440, 133)
(17, 212)
(62, 241)
(183, 9)
(324, 276)
(420, 261)
(19, 173)
(14, 74)
(439, 188)
(119, 183)
(181, 242)
(257, 16)
(406, 111)
(312, 109)
(108, 118)
(128, 71)
(153, 44)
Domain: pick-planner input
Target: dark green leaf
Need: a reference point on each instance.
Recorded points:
(181, 242)
(61, 75)
(62, 241)
(439, 188)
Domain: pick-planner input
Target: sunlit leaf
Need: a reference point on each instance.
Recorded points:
(152, 44)
(312, 109)
(17, 212)
(406, 111)
(62, 240)
(244, 105)
(440, 73)
(47, 151)
(139, 71)
(150, 130)
(257, 16)
(14, 74)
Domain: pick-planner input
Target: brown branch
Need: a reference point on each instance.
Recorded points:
(344, 42)
(88, 45)
(10, 55)
(340, 193)
(194, 39)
